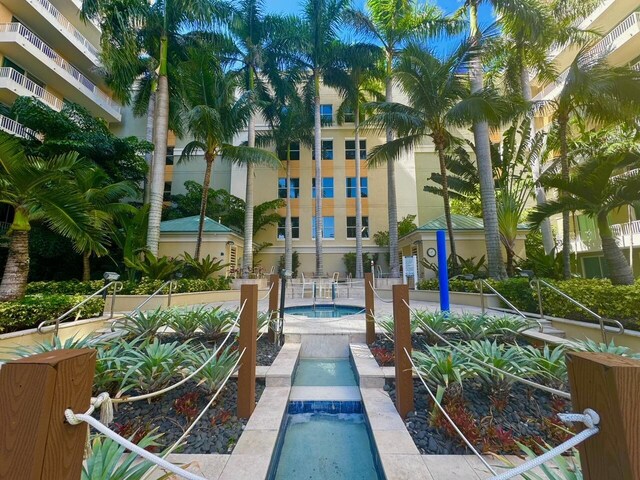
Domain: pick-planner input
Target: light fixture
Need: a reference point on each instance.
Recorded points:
(230, 242)
(111, 276)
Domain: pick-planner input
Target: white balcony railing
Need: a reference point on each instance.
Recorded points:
(626, 229)
(631, 173)
(39, 92)
(50, 11)
(604, 45)
(14, 128)
(83, 82)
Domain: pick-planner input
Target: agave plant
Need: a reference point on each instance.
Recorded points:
(471, 326)
(592, 346)
(388, 325)
(546, 363)
(217, 321)
(216, 370)
(506, 328)
(264, 320)
(565, 467)
(442, 366)
(90, 341)
(111, 367)
(432, 323)
(185, 323)
(147, 324)
(507, 359)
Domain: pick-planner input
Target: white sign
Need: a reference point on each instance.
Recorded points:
(410, 269)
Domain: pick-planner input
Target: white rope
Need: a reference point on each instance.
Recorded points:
(268, 293)
(378, 296)
(551, 390)
(446, 415)
(589, 418)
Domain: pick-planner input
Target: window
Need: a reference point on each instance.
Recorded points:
(327, 150)
(294, 152)
(350, 149)
(351, 187)
(326, 114)
(328, 227)
(327, 187)
(167, 191)
(349, 116)
(169, 159)
(351, 227)
(294, 188)
(295, 228)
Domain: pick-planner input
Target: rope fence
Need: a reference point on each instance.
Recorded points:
(268, 292)
(378, 296)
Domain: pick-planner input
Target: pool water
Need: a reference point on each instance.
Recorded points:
(324, 373)
(324, 311)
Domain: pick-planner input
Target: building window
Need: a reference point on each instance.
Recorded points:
(326, 114)
(327, 187)
(295, 228)
(350, 149)
(170, 153)
(349, 116)
(351, 187)
(328, 227)
(327, 150)
(294, 152)
(167, 192)
(351, 227)
(294, 188)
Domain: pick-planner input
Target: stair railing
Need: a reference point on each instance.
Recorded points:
(483, 283)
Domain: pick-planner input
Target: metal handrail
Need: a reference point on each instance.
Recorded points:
(170, 283)
(117, 286)
(535, 283)
(482, 283)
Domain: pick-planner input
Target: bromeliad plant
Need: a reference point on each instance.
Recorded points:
(147, 324)
(547, 364)
(506, 329)
(387, 324)
(443, 367)
(611, 347)
(471, 326)
(432, 324)
(507, 359)
(185, 323)
(217, 322)
(216, 370)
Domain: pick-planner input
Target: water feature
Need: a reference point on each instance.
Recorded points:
(324, 311)
(324, 373)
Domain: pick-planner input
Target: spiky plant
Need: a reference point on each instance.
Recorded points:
(147, 323)
(216, 370)
(443, 367)
(432, 324)
(547, 364)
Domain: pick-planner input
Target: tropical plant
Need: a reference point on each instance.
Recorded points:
(49, 346)
(600, 347)
(40, 189)
(405, 226)
(295, 263)
(506, 328)
(129, 234)
(387, 324)
(217, 321)
(544, 265)
(592, 188)
(432, 324)
(110, 372)
(264, 321)
(185, 323)
(152, 267)
(501, 357)
(145, 324)
(546, 363)
(203, 268)
(471, 326)
(441, 366)
(216, 369)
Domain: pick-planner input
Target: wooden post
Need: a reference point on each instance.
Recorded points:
(35, 440)
(369, 308)
(608, 384)
(402, 341)
(274, 281)
(247, 343)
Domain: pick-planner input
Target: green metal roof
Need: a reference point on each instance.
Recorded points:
(460, 222)
(190, 225)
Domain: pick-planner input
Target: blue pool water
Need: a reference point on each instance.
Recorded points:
(326, 441)
(324, 373)
(324, 311)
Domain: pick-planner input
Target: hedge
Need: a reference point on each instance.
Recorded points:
(34, 309)
(620, 302)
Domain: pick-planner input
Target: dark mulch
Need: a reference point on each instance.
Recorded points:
(217, 431)
(528, 416)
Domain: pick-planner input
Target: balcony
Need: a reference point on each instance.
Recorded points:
(14, 128)
(25, 47)
(627, 234)
(14, 84)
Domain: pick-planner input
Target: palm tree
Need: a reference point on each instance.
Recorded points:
(592, 188)
(392, 23)
(104, 201)
(439, 98)
(359, 82)
(214, 116)
(596, 91)
(141, 43)
(38, 189)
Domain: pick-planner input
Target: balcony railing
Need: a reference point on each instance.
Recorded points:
(623, 229)
(39, 92)
(603, 46)
(14, 128)
(85, 84)
(48, 9)
(631, 173)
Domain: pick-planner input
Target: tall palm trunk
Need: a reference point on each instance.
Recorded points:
(483, 158)
(16, 270)
(536, 169)
(359, 264)
(447, 206)
(86, 266)
(247, 258)
(318, 150)
(151, 108)
(209, 158)
(288, 230)
(392, 199)
(620, 272)
(563, 121)
(161, 129)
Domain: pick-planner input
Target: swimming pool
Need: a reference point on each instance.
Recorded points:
(324, 372)
(324, 311)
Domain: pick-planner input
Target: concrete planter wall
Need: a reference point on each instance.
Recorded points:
(582, 330)
(127, 303)
(261, 282)
(456, 298)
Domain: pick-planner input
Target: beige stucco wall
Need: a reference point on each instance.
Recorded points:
(216, 245)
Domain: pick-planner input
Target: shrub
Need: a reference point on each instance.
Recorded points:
(547, 364)
(34, 309)
(349, 260)
(507, 359)
(506, 329)
(69, 287)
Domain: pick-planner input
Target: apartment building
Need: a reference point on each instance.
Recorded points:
(48, 52)
(619, 23)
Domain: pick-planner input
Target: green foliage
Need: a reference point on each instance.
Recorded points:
(564, 467)
(217, 321)
(349, 260)
(49, 346)
(154, 268)
(203, 268)
(471, 326)
(442, 366)
(147, 323)
(592, 346)
(68, 287)
(111, 370)
(465, 266)
(507, 328)
(185, 323)
(544, 265)
(387, 324)
(546, 363)
(216, 370)
(507, 359)
(264, 320)
(295, 263)
(429, 322)
(33, 309)
(405, 227)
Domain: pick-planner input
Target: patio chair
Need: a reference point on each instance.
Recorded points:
(304, 282)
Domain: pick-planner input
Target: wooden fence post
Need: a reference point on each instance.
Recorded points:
(247, 343)
(608, 384)
(36, 443)
(402, 342)
(369, 308)
(274, 281)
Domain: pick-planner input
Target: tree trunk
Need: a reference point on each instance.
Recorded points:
(392, 199)
(620, 272)
(86, 266)
(548, 241)
(288, 230)
(510, 258)
(151, 108)
(485, 171)
(447, 207)
(359, 263)
(566, 225)
(209, 158)
(16, 270)
(247, 258)
(318, 150)
(160, 128)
